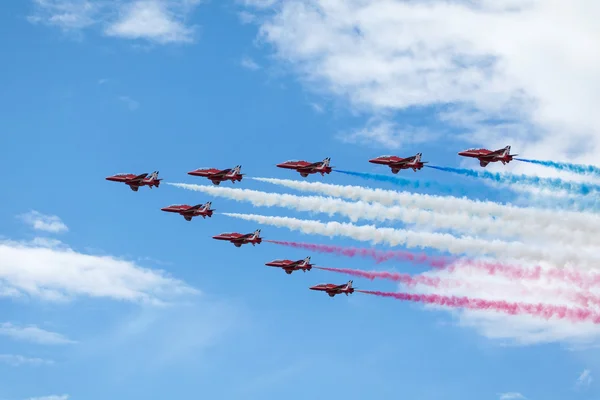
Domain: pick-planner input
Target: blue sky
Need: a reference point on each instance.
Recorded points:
(95, 88)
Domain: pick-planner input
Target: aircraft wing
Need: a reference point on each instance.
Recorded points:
(310, 166)
(191, 209)
(493, 154)
(404, 161)
(221, 173)
(139, 178)
(240, 238)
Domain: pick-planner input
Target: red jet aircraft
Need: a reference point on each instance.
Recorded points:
(239, 239)
(397, 163)
(219, 175)
(135, 181)
(305, 168)
(290, 266)
(189, 212)
(486, 156)
(332, 289)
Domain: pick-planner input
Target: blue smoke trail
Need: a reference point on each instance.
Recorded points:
(576, 168)
(580, 204)
(548, 183)
(403, 182)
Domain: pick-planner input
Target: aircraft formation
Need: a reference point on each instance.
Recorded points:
(304, 168)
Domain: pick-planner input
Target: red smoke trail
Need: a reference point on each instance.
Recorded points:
(378, 255)
(545, 311)
(397, 277)
(512, 272)
(584, 299)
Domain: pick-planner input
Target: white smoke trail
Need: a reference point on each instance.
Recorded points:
(568, 222)
(559, 256)
(378, 212)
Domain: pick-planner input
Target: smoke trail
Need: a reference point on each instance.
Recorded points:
(406, 279)
(576, 168)
(585, 299)
(507, 178)
(545, 221)
(377, 255)
(512, 272)
(368, 233)
(403, 182)
(378, 212)
(545, 311)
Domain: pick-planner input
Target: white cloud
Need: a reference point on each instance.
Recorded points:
(41, 222)
(520, 72)
(382, 132)
(317, 108)
(65, 14)
(521, 329)
(18, 360)
(33, 334)
(249, 63)
(493, 72)
(246, 17)
(585, 379)
(512, 396)
(177, 334)
(155, 20)
(54, 272)
(53, 397)
(158, 21)
(259, 3)
(129, 102)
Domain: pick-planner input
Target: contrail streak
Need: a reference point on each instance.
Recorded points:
(581, 189)
(378, 212)
(584, 280)
(563, 166)
(404, 183)
(405, 279)
(375, 254)
(445, 242)
(584, 299)
(547, 222)
(544, 311)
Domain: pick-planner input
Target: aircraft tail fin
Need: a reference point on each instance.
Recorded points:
(154, 176)
(256, 234)
(349, 284)
(206, 206)
(506, 150)
(418, 157)
(307, 260)
(326, 161)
